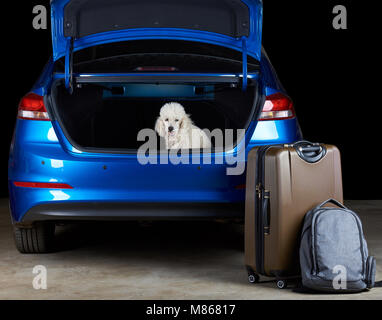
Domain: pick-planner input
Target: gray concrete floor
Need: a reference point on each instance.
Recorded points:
(168, 260)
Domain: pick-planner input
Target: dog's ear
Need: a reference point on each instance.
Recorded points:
(159, 127)
(186, 122)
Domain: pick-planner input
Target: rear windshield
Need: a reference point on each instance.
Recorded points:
(158, 56)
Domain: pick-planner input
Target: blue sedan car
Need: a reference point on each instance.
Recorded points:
(74, 154)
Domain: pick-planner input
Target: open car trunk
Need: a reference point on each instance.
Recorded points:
(128, 82)
(108, 116)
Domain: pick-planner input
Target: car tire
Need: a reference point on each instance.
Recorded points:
(37, 239)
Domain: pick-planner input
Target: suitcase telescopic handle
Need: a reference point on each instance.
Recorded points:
(310, 152)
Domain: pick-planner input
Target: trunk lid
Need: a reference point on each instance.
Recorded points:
(78, 24)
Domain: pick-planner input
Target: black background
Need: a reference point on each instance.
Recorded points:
(332, 76)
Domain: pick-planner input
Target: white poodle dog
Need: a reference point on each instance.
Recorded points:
(178, 130)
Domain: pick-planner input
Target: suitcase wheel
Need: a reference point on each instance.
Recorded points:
(253, 278)
(282, 284)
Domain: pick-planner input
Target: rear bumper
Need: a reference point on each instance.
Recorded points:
(93, 211)
(116, 186)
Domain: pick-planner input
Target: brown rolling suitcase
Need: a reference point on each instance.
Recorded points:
(284, 182)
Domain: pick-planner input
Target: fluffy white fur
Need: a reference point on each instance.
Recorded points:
(177, 129)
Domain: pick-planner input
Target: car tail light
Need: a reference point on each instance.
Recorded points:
(277, 107)
(42, 185)
(32, 107)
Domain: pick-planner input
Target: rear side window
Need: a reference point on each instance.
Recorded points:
(158, 56)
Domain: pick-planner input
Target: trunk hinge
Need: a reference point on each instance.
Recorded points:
(69, 65)
(245, 65)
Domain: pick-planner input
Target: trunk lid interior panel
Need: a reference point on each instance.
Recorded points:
(221, 22)
(83, 17)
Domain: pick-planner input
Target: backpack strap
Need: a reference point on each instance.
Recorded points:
(333, 201)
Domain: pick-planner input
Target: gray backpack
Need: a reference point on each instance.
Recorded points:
(333, 251)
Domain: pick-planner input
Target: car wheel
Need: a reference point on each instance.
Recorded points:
(37, 239)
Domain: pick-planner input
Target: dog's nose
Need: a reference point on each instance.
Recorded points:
(171, 129)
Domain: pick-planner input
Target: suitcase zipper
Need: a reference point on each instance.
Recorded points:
(259, 214)
(262, 207)
(258, 190)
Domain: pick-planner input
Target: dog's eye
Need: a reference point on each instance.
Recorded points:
(176, 120)
(166, 120)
